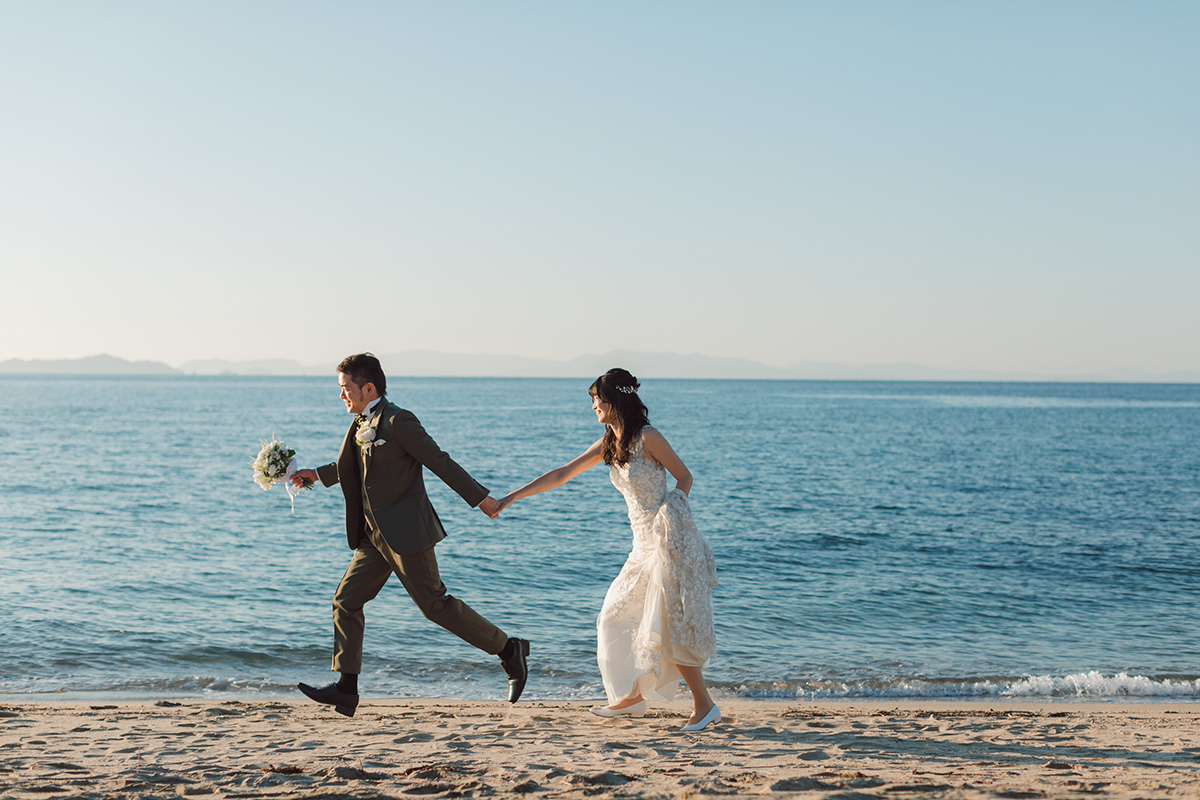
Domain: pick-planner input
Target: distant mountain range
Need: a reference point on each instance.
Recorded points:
(428, 363)
(92, 365)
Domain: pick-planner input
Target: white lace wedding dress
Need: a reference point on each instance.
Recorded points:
(658, 612)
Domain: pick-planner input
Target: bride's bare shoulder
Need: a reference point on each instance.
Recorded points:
(651, 434)
(654, 444)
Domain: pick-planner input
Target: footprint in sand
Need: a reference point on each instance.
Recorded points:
(619, 746)
(528, 787)
(221, 711)
(355, 774)
(65, 766)
(609, 778)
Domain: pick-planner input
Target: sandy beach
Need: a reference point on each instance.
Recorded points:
(440, 748)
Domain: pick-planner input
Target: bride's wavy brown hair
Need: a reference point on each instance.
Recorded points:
(618, 388)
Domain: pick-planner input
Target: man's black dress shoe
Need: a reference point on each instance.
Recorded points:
(516, 668)
(331, 695)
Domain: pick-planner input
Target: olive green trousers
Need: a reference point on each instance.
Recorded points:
(370, 567)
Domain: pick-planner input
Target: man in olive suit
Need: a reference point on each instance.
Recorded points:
(392, 528)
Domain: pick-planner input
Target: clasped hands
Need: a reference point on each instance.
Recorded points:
(492, 507)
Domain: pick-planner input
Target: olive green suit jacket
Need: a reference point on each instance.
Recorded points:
(396, 503)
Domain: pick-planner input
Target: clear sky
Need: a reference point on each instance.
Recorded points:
(989, 185)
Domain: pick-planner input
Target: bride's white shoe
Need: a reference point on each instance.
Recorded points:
(638, 709)
(711, 718)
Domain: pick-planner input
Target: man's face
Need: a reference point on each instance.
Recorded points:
(354, 396)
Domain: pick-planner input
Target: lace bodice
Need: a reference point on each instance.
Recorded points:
(643, 482)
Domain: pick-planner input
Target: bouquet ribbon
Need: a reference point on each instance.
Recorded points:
(292, 489)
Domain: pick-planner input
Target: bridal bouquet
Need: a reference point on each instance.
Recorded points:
(275, 463)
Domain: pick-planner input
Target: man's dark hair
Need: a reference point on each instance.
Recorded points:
(363, 368)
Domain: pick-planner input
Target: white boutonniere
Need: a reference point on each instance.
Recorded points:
(366, 437)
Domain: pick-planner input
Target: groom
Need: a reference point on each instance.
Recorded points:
(392, 528)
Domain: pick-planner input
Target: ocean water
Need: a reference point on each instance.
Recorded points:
(874, 539)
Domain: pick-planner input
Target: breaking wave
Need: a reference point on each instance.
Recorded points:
(1083, 685)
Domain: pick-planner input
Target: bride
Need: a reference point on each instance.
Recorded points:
(656, 622)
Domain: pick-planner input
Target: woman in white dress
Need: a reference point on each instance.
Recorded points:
(655, 626)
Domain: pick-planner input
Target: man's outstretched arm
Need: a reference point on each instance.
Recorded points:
(408, 432)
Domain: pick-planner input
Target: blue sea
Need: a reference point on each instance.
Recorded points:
(873, 539)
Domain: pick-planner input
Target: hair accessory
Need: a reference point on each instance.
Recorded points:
(627, 390)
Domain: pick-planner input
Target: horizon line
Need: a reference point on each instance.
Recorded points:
(700, 367)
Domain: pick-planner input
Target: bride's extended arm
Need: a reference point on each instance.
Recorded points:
(657, 447)
(556, 477)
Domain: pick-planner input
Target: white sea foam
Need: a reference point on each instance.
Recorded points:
(1084, 685)
(1094, 684)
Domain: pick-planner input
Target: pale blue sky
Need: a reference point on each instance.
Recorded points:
(1003, 186)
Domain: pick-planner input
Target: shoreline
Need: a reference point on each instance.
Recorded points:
(1026, 703)
(462, 748)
